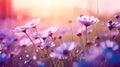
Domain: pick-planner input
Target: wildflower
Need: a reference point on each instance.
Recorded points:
(79, 34)
(47, 43)
(89, 43)
(4, 57)
(49, 32)
(63, 50)
(20, 29)
(110, 51)
(112, 24)
(7, 42)
(117, 17)
(52, 29)
(70, 21)
(109, 44)
(37, 35)
(60, 37)
(33, 23)
(87, 20)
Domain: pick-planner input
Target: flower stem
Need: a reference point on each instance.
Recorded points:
(71, 32)
(30, 39)
(32, 43)
(110, 35)
(37, 32)
(86, 34)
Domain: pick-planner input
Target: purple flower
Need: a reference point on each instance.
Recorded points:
(109, 44)
(33, 23)
(110, 51)
(47, 43)
(20, 29)
(111, 24)
(4, 57)
(63, 50)
(48, 32)
(7, 42)
(87, 20)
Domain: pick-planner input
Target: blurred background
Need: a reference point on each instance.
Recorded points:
(15, 12)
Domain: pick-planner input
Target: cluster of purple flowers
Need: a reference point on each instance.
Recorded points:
(28, 46)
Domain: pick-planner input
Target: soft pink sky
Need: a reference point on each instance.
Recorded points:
(42, 7)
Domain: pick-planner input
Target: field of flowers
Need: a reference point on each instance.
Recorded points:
(28, 46)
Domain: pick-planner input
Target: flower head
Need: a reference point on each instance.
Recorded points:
(87, 20)
(110, 51)
(63, 50)
(50, 31)
(20, 29)
(4, 57)
(112, 24)
(47, 43)
(33, 23)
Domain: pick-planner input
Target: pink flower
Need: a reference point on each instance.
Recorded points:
(33, 23)
(63, 50)
(47, 43)
(20, 29)
(111, 24)
(109, 44)
(87, 20)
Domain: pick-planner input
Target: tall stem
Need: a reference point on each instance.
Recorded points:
(37, 32)
(86, 34)
(71, 32)
(110, 35)
(32, 43)
(30, 38)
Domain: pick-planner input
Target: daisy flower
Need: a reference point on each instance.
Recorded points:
(47, 43)
(87, 20)
(20, 29)
(33, 23)
(109, 44)
(110, 51)
(63, 50)
(111, 24)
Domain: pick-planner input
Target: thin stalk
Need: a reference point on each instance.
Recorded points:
(30, 39)
(110, 35)
(32, 43)
(37, 32)
(71, 32)
(86, 34)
